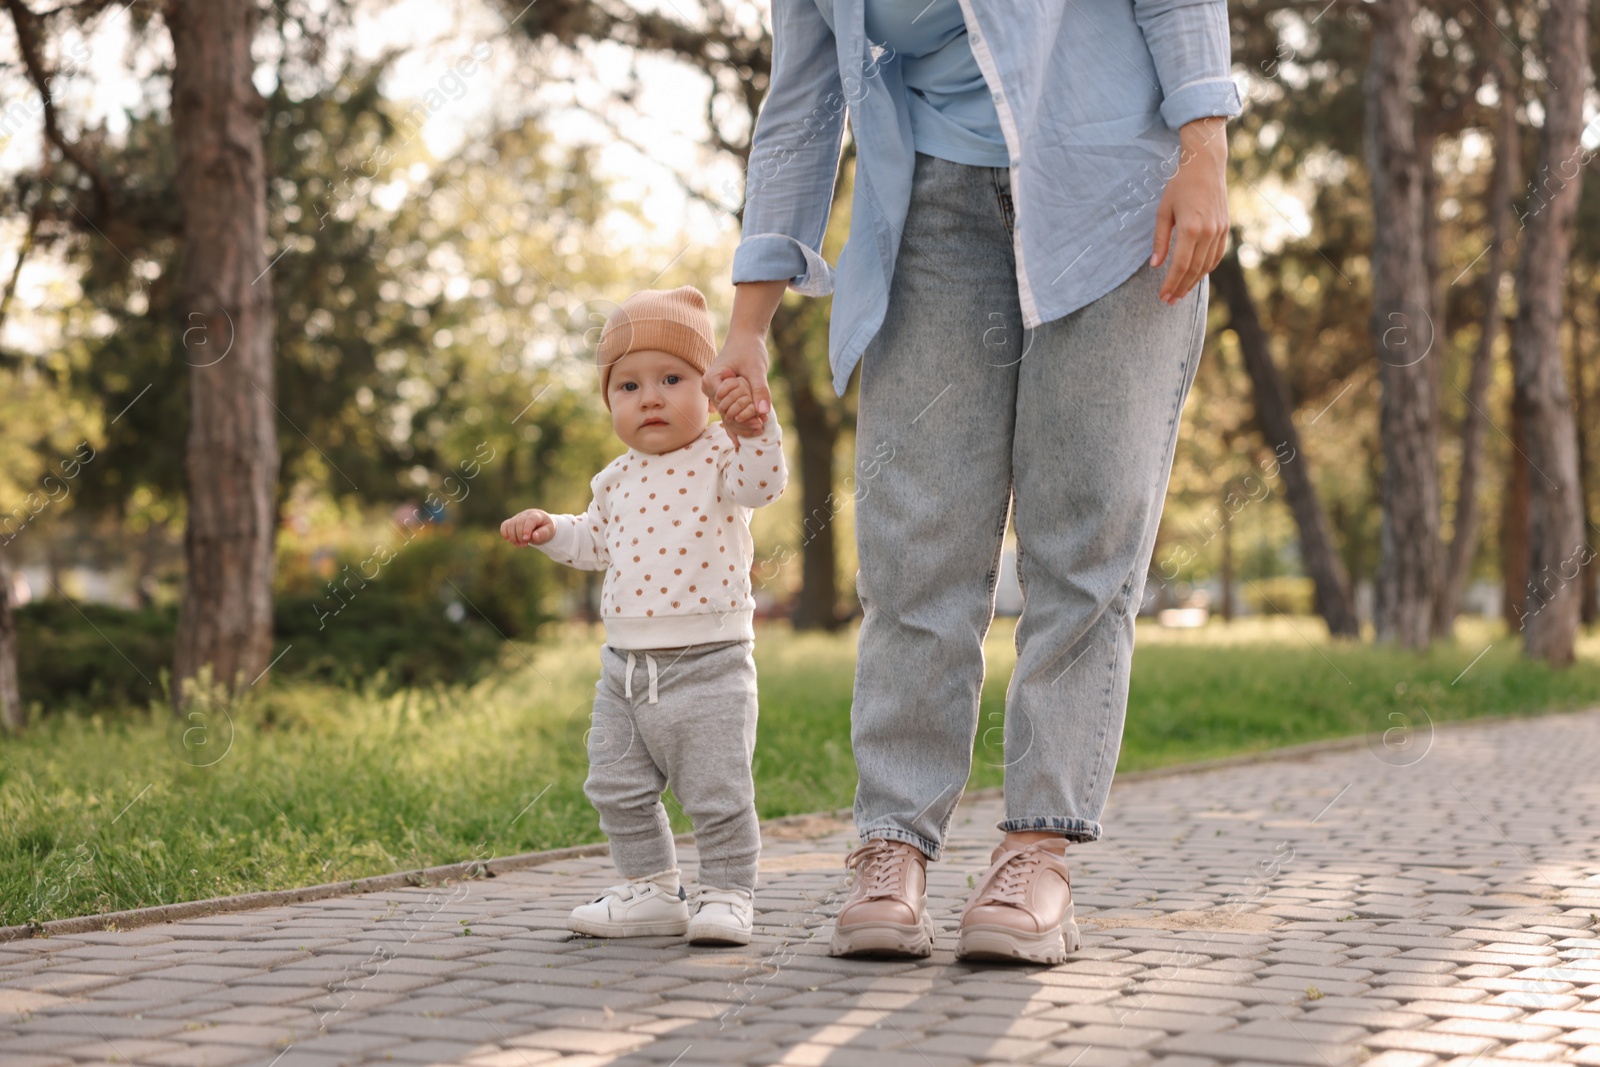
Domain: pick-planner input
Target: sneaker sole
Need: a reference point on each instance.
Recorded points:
(1003, 944)
(664, 928)
(714, 934)
(884, 939)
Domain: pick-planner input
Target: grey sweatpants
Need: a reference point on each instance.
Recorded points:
(686, 718)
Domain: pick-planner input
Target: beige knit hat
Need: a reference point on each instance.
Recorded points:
(669, 320)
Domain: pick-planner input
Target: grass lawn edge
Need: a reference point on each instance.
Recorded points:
(478, 869)
(427, 877)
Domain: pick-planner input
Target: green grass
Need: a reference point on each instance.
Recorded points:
(1265, 683)
(306, 784)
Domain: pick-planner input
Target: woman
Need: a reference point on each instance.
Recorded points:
(1023, 170)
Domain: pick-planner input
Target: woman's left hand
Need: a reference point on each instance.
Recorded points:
(1192, 218)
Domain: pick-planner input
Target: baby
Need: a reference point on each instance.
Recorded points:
(669, 523)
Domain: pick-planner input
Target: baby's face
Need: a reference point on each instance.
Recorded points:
(656, 401)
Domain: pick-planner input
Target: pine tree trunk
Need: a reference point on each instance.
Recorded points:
(1402, 331)
(1275, 416)
(1557, 547)
(231, 462)
(1464, 537)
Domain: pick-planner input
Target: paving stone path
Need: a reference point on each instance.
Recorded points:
(1432, 897)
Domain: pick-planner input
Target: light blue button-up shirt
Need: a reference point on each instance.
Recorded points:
(1090, 93)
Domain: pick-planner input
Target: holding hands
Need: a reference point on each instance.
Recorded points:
(736, 381)
(736, 403)
(530, 527)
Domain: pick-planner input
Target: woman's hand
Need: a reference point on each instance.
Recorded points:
(740, 373)
(1194, 208)
(531, 527)
(744, 355)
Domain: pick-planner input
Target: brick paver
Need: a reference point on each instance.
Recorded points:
(1431, 901)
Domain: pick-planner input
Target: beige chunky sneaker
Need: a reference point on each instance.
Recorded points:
(1022, 907)
(886, 912)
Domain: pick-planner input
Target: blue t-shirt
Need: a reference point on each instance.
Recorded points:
(952, 112)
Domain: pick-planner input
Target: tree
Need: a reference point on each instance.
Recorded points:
(408, 335)
(1557, 544)
(231, 459)
(1305, 128)
(1402, 335)
(226, 306)
(797, 331)
(1464, 535)
(1275, 416)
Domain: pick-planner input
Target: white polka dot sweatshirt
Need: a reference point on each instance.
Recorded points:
(672, 533)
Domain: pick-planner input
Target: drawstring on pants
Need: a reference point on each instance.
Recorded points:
(627, 676)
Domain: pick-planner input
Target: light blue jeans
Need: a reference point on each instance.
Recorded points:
(963, 416)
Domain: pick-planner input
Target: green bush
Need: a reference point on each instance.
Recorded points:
(92, 655)
(389, 639)
(430, 610)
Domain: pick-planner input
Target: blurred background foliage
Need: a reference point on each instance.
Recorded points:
(435, 316)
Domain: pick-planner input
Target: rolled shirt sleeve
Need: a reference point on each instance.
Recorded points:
(794, 156)
(1188, 39)
(766, 257)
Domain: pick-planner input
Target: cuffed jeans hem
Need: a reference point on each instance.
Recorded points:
(930, 848)
(1072, 829)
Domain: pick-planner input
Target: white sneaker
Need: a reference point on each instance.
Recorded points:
(640, 907)
(722, 917)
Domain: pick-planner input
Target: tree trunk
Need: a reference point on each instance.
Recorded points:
(1402, 332)
(12, 716)
(1514, 526)
(817, 431)
(1427, 138)
(1464, 536)
(1275, 416)
(1557, 549)
(1588, 605)
(231, 463)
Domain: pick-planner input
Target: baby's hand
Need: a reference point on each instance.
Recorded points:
(531, 527)
(736, 402)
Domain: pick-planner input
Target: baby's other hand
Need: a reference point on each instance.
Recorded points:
(531, 527)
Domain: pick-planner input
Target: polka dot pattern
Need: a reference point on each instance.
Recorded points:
(614, 537)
